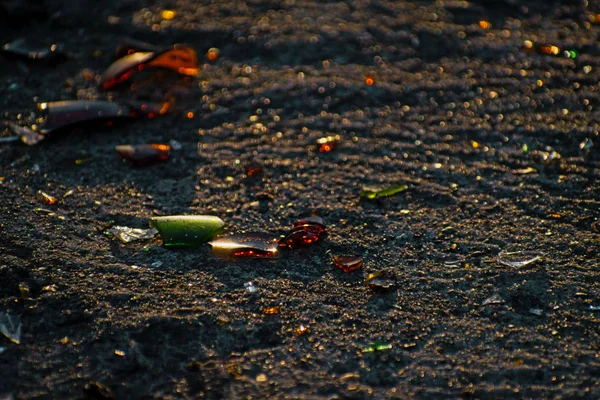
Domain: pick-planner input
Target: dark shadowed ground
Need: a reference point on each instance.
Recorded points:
(499, 147)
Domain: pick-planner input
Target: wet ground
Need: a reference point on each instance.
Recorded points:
(497, 143)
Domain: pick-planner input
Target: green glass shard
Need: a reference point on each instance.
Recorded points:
(371, 193)
(373, 347)
(187, 230)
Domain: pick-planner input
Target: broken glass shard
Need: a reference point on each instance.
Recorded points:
(130, 46)
(373, 347)
(493, 299)
(28, 50)
(187, 230)
(375, 193)
(45, 198)
(60, 114)
(518, 259)
(26, 134)
(348, 263)
(144, 154)
(313, 224)
(252, 245)
(328, 143)
(250, 288)
(299, 238)
(126, 234)
(380, 281)
(536, 311)
(11, 327)
(594, 308)
(180, 58)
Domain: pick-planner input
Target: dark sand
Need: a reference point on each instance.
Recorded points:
(450, 112)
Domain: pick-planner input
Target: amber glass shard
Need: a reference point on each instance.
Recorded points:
(301, 330)
(253, 245)
(144, 154)
(182, 59)
(272, 310)
(299, 238)
(313, 224)
(60, 114)
(213, 54)
(348, 263)
(380, 281)
(312, 228)
(328, 143)
(45, 198)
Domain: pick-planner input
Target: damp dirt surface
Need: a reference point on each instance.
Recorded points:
(498, 146)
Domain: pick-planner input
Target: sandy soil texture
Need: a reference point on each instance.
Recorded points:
(497, 142)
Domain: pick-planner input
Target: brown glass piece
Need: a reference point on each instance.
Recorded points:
(60, 114)
(144, 154)
(348, 263)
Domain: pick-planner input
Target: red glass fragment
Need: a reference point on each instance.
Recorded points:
(327, 144)
(299, 238)
(144, 154)
(252, 169)
(314, 224)
(312, 228)
(254, 253)
(60, 114)
(348, 263)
